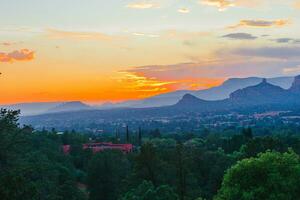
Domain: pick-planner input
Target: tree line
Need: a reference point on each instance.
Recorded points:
(209, 166)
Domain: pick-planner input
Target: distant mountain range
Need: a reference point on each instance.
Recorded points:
(32, 108)
(215, 93)
(262, 97)
(48, 107)
(70, 106)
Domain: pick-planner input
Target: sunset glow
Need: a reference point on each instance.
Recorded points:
(99, 51)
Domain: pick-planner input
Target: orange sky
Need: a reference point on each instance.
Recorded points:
(120, 50)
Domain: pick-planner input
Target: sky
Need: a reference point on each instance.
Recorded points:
(109, 51)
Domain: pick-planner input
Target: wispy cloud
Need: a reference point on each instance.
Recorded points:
(182, 72)
(205, 74)
(18, 55)
(142, 5)
(291, 70)
(261, 23)
(220, 4)
(283, 52)
(223, 5)
(240, 36)
(183, 10)
(62, 34)
(6, 43)
(141, 85)
(150, 79)
(287, 40)
(145, 34)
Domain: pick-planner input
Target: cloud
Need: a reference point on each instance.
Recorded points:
(183, 10)
(10, 43)
(283, 40)
(142, 86)
(6, 43)
(261, 23)
(145, 34)
(291, 70)
(18, 55)
(205, 74)
(223, 5)
(186, 37)
(61, 34)
(220, 4)
(287, 40)
(142, 81)
(240, 36)
(268, 52)
(180, 71)
(142, 5)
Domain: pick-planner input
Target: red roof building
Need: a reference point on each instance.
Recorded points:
(66, 149)
(101, 146)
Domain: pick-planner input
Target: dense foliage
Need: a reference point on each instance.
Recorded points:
(226, 165)
(271, 176)
(32, 165)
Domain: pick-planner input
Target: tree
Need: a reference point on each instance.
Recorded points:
(258, 145)
(32, 166)
(247, 132)
(106, 172)
(10, 135)
(37, 177)
(147, 191)
(155, 133)
(270, 176)
(208, 168)
(148, 164)
(181, 171)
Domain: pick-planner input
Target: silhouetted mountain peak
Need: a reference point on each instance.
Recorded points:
(74, 103)
(70, 106)
(189, 97)
(234, 81)
(296, 85)
(264, 84)
(264, 91)
(189, 100)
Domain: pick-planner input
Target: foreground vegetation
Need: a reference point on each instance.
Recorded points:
(165, 167)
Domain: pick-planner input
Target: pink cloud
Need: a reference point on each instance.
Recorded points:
(17, 55)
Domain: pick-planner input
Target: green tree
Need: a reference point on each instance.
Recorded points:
(32, 166)
(106, 172)
(147, 165)
(181, 171)
(10, 136)
(270, 176)
(147, 191)
(247, 132)
(258, 145)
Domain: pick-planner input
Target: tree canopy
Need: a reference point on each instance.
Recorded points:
(270, 176)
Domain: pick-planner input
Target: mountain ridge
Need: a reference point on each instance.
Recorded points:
(168, 99)
(215, 93)
(189, 105)
(70, 106)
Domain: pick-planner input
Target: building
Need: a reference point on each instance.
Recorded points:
(101, 146)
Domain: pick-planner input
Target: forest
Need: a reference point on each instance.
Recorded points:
(211, 165)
